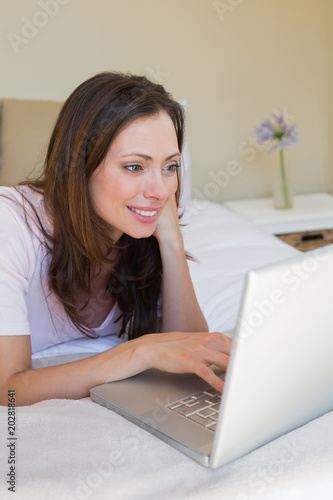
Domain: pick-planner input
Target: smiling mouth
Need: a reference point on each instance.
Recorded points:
(145, 213)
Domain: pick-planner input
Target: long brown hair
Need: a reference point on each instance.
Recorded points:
(81, 241)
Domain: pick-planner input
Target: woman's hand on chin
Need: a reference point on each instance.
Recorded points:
(167, 229)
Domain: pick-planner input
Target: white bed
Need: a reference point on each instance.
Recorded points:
(78, 450)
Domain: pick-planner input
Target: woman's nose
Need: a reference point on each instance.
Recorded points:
(155, 187)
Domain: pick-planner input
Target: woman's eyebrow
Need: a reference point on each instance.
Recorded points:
(147, 157)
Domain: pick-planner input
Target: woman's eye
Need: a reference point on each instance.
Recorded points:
(171, 168)
(133, 168)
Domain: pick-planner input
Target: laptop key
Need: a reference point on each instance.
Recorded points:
(186, 401)
(199, 420)
(211, 392)
(214, 400)
(206, 412)
(205, 422)
(193, 403)
(211, 426)
(194, 409)
(174, 405)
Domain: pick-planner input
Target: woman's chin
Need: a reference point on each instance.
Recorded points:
(146, 233)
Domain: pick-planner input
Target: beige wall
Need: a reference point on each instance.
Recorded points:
(234, 63)
(330, 103)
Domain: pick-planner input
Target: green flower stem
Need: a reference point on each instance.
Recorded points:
(285, 190)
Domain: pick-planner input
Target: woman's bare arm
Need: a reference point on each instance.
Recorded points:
(175, 352)
(69, 380)
(180, 308)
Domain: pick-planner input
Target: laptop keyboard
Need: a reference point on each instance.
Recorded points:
(201, 407)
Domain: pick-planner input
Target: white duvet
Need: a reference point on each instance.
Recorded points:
(78, 450)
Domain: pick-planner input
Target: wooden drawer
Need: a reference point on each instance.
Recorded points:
(308, 240)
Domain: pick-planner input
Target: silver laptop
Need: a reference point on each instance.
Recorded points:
(280, 373)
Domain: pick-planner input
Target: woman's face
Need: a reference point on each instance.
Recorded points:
(131, 186)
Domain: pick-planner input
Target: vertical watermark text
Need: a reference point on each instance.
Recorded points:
(11, 442)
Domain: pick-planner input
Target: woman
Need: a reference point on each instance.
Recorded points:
(93, 247)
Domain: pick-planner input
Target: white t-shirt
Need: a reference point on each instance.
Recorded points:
(26, 305)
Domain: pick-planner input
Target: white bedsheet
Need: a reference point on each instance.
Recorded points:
(79, 450)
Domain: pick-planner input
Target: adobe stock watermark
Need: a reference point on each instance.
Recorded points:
(157, 74)
(266, 475)
(103, 469)
(220, 180)
(102, 298)
(293, 278)
(159, 414)
(225, 7)
(250, 147)
(31, 27)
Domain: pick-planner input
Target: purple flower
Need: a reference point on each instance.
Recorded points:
(276, 130)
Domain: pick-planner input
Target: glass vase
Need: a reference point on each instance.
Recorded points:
(282, 191)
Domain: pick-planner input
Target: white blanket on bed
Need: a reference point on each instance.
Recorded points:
(79, 450)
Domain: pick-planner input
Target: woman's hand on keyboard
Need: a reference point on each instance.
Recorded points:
(184, 352)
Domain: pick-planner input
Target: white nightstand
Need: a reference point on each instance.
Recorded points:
(308, 225)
